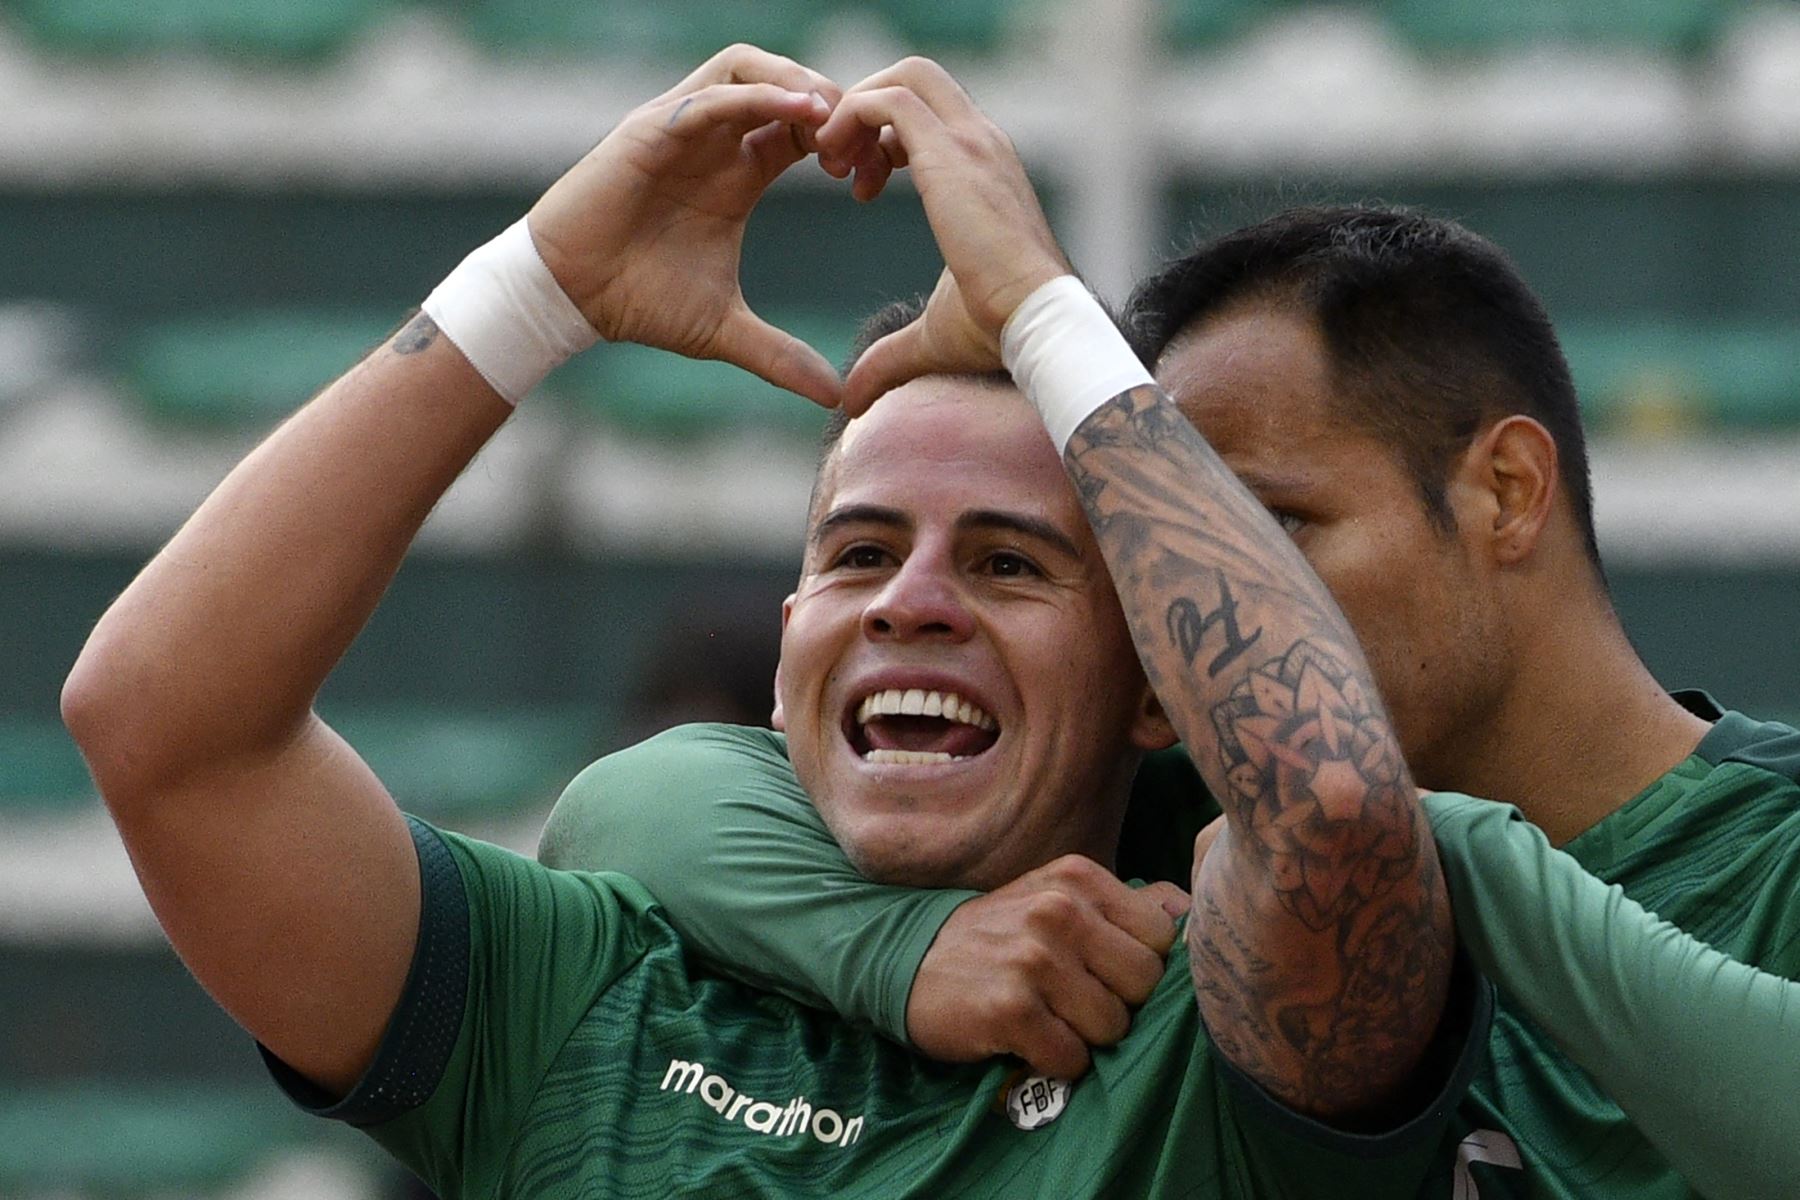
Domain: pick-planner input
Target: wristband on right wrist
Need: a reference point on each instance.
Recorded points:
(505, 311)
(1067, 356)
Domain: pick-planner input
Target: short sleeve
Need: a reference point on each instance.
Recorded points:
(510, 957)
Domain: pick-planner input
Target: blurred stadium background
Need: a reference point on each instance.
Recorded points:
(209, 207)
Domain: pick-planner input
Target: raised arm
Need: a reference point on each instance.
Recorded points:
(1321, 935)
(274, 859)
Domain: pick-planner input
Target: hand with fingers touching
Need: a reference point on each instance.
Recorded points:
(990, 228)
(1043, 968)
(645, 233)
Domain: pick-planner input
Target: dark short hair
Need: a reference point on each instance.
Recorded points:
(889, 318)
(1432, 332)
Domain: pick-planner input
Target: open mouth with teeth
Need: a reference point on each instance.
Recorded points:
(916, 727)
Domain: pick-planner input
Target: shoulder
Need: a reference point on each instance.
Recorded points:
(500, 887)
(1456, 817)
(690, 751)
(681, 776)
(1767, 746)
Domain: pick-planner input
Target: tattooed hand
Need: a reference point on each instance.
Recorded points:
(646, 232)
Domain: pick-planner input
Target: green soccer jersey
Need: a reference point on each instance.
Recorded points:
(553, 1041)
(712, 820)
(1713, 848)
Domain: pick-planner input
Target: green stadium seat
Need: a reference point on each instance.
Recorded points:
(448, 765)
(440, 764)
(251, 369)
(964, 25)
(686, 32)
(1485, 26)
(138, 1140)
(657, 394)
(259, 29)
(1196, 24)
(1675, 376)
(40, 768)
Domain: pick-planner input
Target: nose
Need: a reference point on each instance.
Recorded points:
(921, 600)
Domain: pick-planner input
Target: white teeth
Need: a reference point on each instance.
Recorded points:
(916, 702)
(911, 757)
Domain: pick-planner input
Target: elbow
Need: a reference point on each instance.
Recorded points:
(111, 713)
(96, 714)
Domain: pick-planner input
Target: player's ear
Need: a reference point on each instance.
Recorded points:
(777, 721)
(1150, 727)
(1509, 480)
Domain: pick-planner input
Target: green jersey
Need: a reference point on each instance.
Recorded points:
(553, 1040)
(1713, 848)
(712, 820)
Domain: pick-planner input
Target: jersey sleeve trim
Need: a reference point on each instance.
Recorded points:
(1449, 1063)
(422, 1033)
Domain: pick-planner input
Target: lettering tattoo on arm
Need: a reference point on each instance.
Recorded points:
(1320, 938)
(1189, 626)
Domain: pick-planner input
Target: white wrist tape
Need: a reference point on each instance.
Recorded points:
(505, 311)
(1067, 356)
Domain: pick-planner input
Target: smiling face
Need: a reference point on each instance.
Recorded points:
(1257, 382)
(959, 690)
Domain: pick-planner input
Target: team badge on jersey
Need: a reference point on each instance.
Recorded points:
(1036, 1100)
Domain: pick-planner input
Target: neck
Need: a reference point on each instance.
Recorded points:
(1581, 727)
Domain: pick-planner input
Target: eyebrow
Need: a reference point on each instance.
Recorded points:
(981, 518)
(858, 514)
(1032, 527)
(1260, 481)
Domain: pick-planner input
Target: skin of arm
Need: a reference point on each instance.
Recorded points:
(1700, 1050)
(274, 859)
(1321, 936)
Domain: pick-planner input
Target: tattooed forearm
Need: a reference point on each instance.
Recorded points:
(1310, 761)
(416, 335)
(1321, 932)
(1315, 1050)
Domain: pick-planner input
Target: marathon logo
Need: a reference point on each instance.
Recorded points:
(795, 1118)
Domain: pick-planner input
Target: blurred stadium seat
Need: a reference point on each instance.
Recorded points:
(686, 32)
(957, 26)
(1477, 26)
(241, 369)
(1677, 377)
(40, 769)
(258, 29)
(454, 766)
(107, 1138)
(650, 392)
(1196, 24)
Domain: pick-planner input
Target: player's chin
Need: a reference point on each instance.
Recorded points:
(915, 849)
